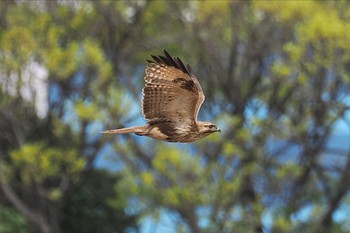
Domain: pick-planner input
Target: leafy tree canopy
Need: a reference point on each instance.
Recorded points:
(276, 79)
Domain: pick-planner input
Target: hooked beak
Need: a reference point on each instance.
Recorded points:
(218, 130)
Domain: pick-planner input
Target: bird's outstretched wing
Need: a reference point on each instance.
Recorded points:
(172, 93)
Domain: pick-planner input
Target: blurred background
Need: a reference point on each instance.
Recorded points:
(276, 77)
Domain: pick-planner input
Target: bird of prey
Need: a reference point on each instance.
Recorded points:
(171, 101)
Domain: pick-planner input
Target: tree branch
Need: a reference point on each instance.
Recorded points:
(342, 189)
(31, 215)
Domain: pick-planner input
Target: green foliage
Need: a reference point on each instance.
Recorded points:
(11, 221)
(87, 111)
(51, 156)
(276, 78)
(284, 106)
(18, 46)
(36, 162)
(63, 61)
(89, 203)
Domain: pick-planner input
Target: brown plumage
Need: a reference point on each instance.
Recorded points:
(171, 101)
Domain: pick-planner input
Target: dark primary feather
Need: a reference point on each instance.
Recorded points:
(171, 61)
(156, 59)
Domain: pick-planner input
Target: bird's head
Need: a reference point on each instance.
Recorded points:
(207, 127)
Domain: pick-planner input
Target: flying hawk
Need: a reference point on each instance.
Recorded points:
(171, 101)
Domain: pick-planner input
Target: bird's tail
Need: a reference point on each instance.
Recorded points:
(135, 129)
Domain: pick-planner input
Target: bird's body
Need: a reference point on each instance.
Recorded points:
(171, 101)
